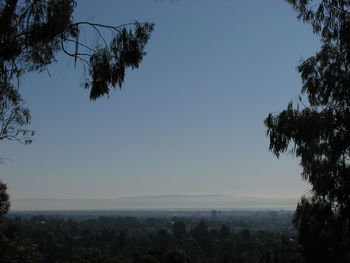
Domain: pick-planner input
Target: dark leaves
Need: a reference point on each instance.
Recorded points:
(32, 32)
(4, 200)
(43, 32)
(14, 116)
(108, 65)
(320, 230)
(319, 132)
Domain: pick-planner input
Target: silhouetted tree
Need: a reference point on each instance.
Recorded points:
(319, 129)
(4, 208)
(12, 249)
(4, 200)
(320, 232)
(32, 32)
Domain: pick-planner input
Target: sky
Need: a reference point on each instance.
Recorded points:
(188, 121)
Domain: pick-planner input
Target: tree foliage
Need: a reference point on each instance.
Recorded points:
(321, 232)
(11, 247)
(4, 200)
(318, 131)
(32, 32)
(14, 116)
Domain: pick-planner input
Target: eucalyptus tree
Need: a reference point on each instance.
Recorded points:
(33, 32)
(316, 128)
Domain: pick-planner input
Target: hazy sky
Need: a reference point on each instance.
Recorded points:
(188, 121)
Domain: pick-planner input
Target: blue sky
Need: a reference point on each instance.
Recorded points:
(188, 121)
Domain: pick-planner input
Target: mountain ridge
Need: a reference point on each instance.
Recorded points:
(174, 201)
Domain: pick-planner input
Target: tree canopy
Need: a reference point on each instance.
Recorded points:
(317, 127)
(33, 32)
(4, 200)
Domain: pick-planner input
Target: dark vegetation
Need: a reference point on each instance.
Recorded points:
(34, 32)
(316, 128)
(168, 237)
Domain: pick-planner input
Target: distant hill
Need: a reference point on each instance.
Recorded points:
(185, 202)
